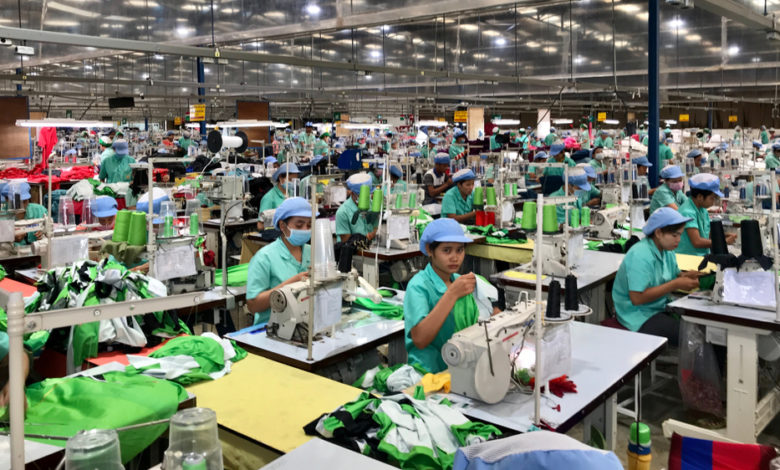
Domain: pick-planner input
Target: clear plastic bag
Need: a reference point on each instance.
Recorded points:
(699, 376)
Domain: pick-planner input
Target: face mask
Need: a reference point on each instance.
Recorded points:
(299, 237)
(676, 186)
(599, 156)
(579, 194)
(290, 187)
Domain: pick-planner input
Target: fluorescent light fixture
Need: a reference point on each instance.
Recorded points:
(562, 121)
(733, 50)
(375, 54)
(369, 126)
(313, 9)
(506, 122)
(431, 123)
(676, 23)
(74, 123)
(248, 123)
(196, 125)
(611, 122)
(670, 122)
(500, 42)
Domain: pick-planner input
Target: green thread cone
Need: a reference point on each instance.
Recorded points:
(376, 203)
(194, 227)
(490, 193)
(399, 201)
(514, 189)
(364, 200)
(478, 199)
(136, 236)
(507, 189)
(585, 216)
(412, 200)
(121, 226)
(549, 218)
(529, 216)
(574, 216)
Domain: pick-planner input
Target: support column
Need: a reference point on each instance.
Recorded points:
(653, 89)
(201, 91)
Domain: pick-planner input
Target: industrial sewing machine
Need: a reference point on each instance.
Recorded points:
(604, 220)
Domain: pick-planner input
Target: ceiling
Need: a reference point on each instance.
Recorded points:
(312, 57)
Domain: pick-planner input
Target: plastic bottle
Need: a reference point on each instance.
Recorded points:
(639, 455)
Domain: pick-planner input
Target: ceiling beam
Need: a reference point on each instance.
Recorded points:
(738, 12)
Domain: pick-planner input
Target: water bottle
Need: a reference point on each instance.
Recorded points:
(639, 455)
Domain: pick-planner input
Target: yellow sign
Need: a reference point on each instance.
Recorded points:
(441, 119)
(197, 112)
(684, 118)
(461, 116)
(177, 121)
(732, 118)
(602, 117)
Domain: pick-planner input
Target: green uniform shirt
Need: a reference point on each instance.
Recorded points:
(321, 148)
(365, 224)
(643, 267)
(33, 211)
(117, 169)
(592, 194)
(422, 294)
(375, 180)
(493, 144)
(453, 202)
(771, 161)
(3, 344)
(399, 187)
(271, 266)
(646, 140)
(306, 139)
(585, 141)
(598, 165)
(605, 142)
(456, 149)
(560, 210)
(272, 199)
(663, 196)
(701, 221)
(550, 139)
(185, 143)
(664, 153)
(425, 151)
(558, 171)
(764, 137)
(107, 153)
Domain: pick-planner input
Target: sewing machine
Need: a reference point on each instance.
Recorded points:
(479, 356)
(395, 232)
(290, 303)
(604, 220)
(9, 229)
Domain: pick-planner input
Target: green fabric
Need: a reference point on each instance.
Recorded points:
(207, 352)
(62, 407)
(2, 273)
(237, 275)
(465, 312)
(33, 211)
(101, 189)
(128, 255)
(385, 309)
(464, 431)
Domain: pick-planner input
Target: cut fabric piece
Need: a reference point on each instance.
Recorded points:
(695, 454)
(385, 309)
(378, 378)
(237, 275)
(213, 357)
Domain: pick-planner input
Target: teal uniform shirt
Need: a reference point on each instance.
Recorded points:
(375, 180)
(558, 171)
(3, 344)
(117, 169)
(456, 149)
(422, 294)
(764, 137)
(107, 153)
(425, 151)
(585, 140)
(185, 143)
(663, 196)
(771, 161)
(605, 142)
(271, 266)
(701, 221)
(598, 165)
(365, 224)
(559, 209)
(646, 140)
(643, 267)
(33, 211)
(321, 148)
(493, 144)
(306, 139)
(664, 153)
(592, 194)
(272, 199)
(550, 139)
(737, 138)
(453, 202)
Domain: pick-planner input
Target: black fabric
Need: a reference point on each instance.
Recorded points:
(631, 242)
(258, 187)
(354, 429)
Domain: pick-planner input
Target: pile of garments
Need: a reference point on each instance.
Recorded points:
(391, 379)
(38, 175)
(407, 431)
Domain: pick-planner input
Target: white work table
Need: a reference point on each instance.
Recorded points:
(746, 415)
(603, 360)
(320, 454)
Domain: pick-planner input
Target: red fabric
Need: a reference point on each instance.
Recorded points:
(13, 173)
(612, 322)
(47, 139)
(558, 386)
(726, 455)
(120, 203)
(78, 173)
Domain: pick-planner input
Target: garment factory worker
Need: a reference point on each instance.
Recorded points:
(283, 261)
(116, 169)
(603, 140)
(386, 142)
(429, 148)
(167, 140)
(649, 273)
(715, 155)
(321, 146)
(458, 146)
(271, 165)
(494, 145)
(458, 200)
(697, 157)
(584, 139)
(436, 180)
(396, 180)
(105, 148)
(377, 170)
(557, 155)
(772, 159)
(578, 186)
(31, 210)
(438, 302)
(764, 135)
(597, 159)
(523, 139)
(308, 138)
(285, 179)
(366, 223)
(186, 141)
(533, 171)
(591, 198)
(664, 152)
(550, 138)
(705, 187)
(104, 210)
(670, 193)
(737, 136)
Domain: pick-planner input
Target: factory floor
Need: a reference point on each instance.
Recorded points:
(658, 407)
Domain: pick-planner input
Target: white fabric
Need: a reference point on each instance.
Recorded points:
(368, 378)
(485, 294)
(230, 353)
(80, 191)
(169, 367)
(120, 330)
(403, 378)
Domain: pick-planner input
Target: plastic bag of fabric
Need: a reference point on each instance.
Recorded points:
(699, 376)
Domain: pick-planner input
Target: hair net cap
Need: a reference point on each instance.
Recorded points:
(292, 207)
(120, 147)
(442, 158)
(21, 188)
(642, 161)
(552, 129)
(555, 149)
(463, 175)
(357, 180)
(158, 196)
(589, 171)
(270, 160)
(663, 217)
(105, 206)
(433, 140)
(442, 230)
(776, 146)
(284, 169)
(105, 141)
(396, 171)
(541, 156)
(706, 182)
(579, 178)
(694, 153)
(671, 172)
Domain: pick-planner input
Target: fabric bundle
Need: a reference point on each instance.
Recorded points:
(390, 379)
(410, 432)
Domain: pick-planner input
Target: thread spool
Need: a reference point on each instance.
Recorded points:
(345, 258)
(553, 300)
(490, 193)
(570, 295)
(194, 226)
(718, 238)
(412, 200)
(549, 218)
(529, 216)
(399, 201)
(136, 235)
(121, 226)
(478, 199)
(514, 189)
(635, 190)
(376, 203)
(168, 227)
(752, 247)
(507, 189)
(585, 216)
(574, 218)
(364, 198)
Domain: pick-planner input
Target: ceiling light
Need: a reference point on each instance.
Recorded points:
(676, 23)
(430, 123)
(506, 122)
(490, 32)
(733, 50)
(611, 122)
(183, 31)
(628, 8)
(469, 27)
(532, 44)
(562, 121)
(73, 123)
(693, 38)
(550, 50)
(159, 57)
(375, 54)
(313, 9)
(756, 59)
(195, 125)
(69, 9)
(500, 42)
(670, 122)
(579, 59)
(368, 77)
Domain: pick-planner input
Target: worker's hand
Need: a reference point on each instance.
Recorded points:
(371, 235)
(685, 283)
(298, 277)
(38, 235)
(731, 238)
(692, 274)
(464, 285)
(19, 237)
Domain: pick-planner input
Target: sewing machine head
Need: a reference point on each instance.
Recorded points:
(604, 220)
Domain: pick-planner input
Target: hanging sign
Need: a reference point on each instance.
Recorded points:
(197, 112)
(461, 116)
(602, 117)
(684, 118)
(733, 118)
